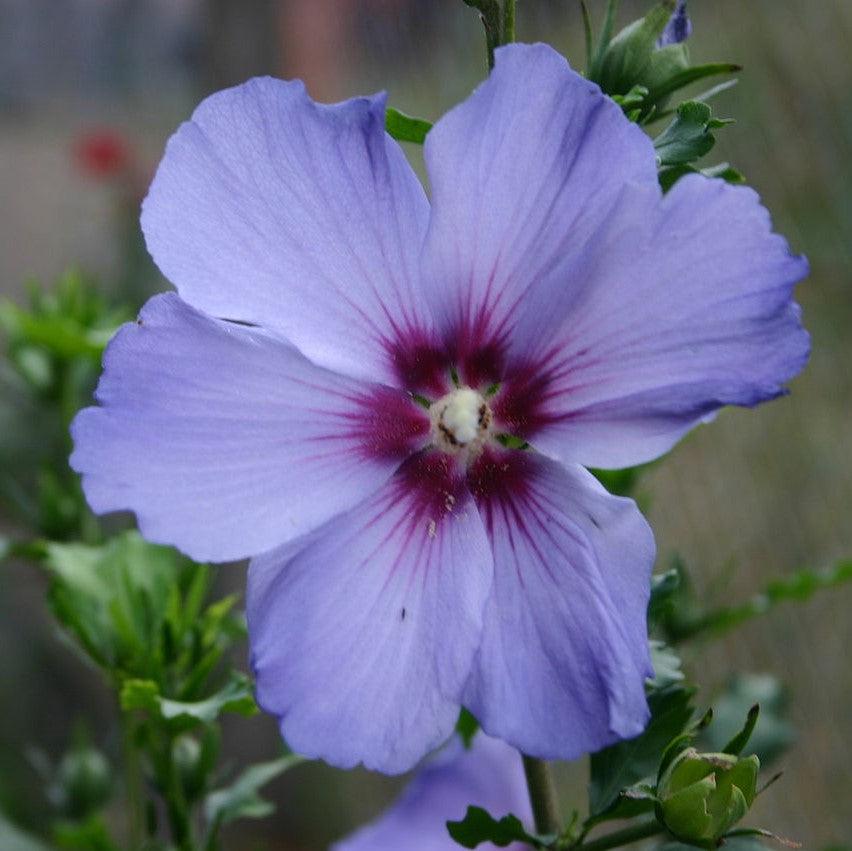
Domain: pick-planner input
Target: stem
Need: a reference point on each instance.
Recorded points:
(133, 783)
(508, 35)
(623, 837)
(542, 796)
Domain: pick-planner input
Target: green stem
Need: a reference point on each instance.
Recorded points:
(133, 783)
(542, 796)
(623, 837)
(508, 34)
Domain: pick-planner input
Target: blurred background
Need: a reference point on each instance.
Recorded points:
(91, 89)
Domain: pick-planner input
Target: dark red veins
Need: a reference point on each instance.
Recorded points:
(387, 424)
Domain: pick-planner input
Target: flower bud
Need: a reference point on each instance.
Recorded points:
(703, 795)
(84, 781)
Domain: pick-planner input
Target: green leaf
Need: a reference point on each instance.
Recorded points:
(467, 727)
(688, 137)
(242, 799)
(664, 587)
(666, 665)
(798, 587)
(625, 764)
(114, 598)
(479, 826)
(89, 835)
(634, 801)
(12, 838)
(406, 128)
(234, 696)
(724, 171)
(692, 75)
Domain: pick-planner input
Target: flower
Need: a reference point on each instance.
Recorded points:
(407, 562)
(488, 775)
(679, 27)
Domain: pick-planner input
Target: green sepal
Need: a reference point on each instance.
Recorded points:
(406, 128)
(738, 742)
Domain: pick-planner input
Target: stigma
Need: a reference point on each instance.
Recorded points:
(461, 421)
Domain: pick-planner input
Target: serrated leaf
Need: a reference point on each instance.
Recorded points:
(664, 587)
(242, 799)
(235, 696)
(666, 665)
(406, 128)
(627, 763)
(688, 137)
(479, 826)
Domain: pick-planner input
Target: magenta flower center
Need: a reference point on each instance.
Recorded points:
(461, 422)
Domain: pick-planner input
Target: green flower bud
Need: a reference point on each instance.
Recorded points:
(703, 795)
(631, 58)
(194, 760)
(84, 781)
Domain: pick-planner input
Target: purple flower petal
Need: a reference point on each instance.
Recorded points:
(522, 173)
(271, 209)
(363, 633)
(678, 29)
(564, 654)
(489, 775)
(226, 441)
(674, 308)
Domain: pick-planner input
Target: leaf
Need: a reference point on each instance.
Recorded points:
(242, 799)
(114, 597)
(798, 587)
(479, 826)
(745, 833)
(664, 587)
(406, 128)
(688, 137)
(234, 696)
(12, 838)
(692, 75)
(89, 835)
(666, 665)
(724, 171)
(627, 763)
(630, 803)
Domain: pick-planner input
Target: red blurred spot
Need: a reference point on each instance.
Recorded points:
(102, 154)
